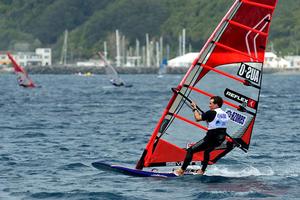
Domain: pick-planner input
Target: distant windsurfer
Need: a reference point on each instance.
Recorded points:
(217, 120)
(116, 83)
(26, 84)
(21, 82)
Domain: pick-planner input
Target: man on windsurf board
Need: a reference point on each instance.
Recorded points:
(217, 120)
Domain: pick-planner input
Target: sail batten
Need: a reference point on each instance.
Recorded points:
(211, 95)
(235, 50)
(247, 28)
(190, 122)
(259, 4)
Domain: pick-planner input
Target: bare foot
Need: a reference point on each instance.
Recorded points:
(200, 172)
(179, 172)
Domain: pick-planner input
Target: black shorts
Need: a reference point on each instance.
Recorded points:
(215, 137)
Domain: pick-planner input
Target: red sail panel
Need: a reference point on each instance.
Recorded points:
(269, 4)
(167, 152)
(247, 45)
(247, 135)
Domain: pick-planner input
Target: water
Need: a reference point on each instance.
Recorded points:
(49, 137)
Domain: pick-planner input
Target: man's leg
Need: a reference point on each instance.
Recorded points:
(199, 146)
(206, 159)
(188, 158)
(212, 145)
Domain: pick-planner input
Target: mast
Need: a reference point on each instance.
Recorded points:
(105, 50)
(147, 51)
(118, 58)
(63, 58)
(157, 54)
(183, 41)
(137, 52)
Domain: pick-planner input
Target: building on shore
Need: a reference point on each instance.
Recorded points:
(183, 61)
(294, 61)
(274, 61)
(4, 61)
(91, 63)
(41, 57)
(271, 60)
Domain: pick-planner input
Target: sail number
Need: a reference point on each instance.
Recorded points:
(249, 73)
(236, 117)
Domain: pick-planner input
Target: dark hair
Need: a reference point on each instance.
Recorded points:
(217, 100)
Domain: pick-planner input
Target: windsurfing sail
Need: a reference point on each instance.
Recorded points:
(22, 76)
(163, 67)
(229, 65)
(113, 75)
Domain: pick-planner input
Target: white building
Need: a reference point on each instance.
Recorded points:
(45, 54)
(4, 61)
(273, 61)
(183, 61)
(41, 57)
(91, 63)
(294, 61)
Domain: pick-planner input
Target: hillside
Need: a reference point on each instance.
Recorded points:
(33, 23)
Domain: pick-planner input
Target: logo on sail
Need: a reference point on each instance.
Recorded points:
(236, 117)
(240, 98)
(249, 73)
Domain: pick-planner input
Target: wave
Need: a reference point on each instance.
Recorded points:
(73, 166)
(231, 195)
(79, 195)
(32, 135)
(225, 171)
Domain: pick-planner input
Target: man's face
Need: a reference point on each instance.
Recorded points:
(212, 106)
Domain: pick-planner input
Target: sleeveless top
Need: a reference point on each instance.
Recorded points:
(220, 120)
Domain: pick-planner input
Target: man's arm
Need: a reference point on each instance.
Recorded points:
(197, 115)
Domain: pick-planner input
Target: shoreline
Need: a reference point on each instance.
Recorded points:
(56, 69)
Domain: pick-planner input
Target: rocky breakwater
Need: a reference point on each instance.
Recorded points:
(73, 69)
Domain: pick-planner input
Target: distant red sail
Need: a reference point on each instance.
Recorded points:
(22, 76)
(229, 65)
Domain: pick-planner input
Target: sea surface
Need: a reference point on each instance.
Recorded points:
(49, 136)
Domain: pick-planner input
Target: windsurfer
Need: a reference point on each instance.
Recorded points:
(216, 119)
(116, 83)
(22, 82)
